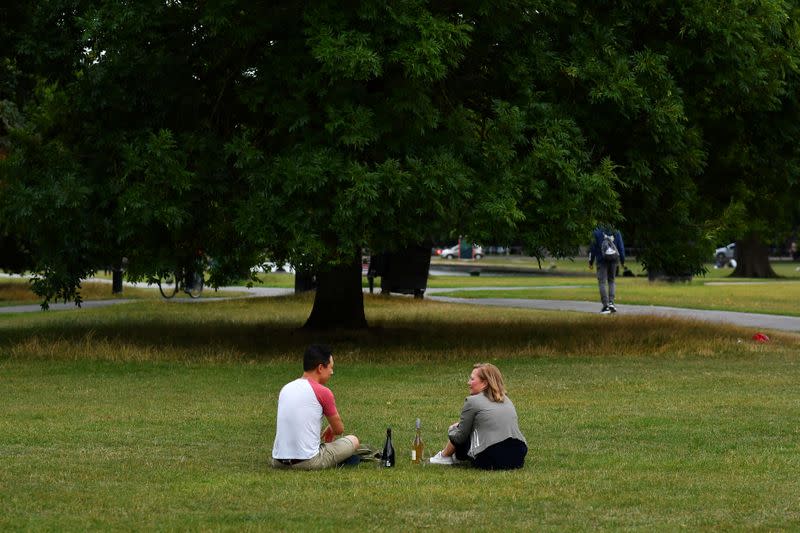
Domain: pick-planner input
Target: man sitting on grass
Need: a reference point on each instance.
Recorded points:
(301, 405)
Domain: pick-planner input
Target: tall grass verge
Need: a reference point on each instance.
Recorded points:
(402, 330)
(17, 291)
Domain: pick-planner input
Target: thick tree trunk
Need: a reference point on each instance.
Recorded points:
(304, 281)
(118, 270)
(339, 301)
(116, 281)
(752, 259)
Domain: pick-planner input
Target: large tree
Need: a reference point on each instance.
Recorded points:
(299, 132)
(742, 92)
(696, 101)
(306, 131)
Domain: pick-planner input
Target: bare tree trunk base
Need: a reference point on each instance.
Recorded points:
(339, 300)
(752, 259)
(116, 281)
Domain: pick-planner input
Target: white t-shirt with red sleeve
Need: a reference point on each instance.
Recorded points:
(301, 405)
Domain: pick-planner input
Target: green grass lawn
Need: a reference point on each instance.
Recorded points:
(16, 291)
(772, 297)
(161, 416)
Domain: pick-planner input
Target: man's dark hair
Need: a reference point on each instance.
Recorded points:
(316, 354)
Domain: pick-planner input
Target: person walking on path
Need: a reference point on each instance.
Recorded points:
(301, 405)
(487, 433)
(607, 250)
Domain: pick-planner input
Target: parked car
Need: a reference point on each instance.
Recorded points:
(453, 252)
(725, 253)
(273, 267)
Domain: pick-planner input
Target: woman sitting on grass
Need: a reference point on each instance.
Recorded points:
(487, 434)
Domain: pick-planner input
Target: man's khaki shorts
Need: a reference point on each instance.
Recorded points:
(330, 455)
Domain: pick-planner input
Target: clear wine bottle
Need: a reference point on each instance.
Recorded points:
(418, 447)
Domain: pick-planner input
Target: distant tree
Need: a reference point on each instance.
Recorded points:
(747, 107)
(696, 104)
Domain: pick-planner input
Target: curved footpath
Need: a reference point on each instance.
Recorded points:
(750, 320)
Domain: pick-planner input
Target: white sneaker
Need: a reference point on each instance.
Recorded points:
(440, 459)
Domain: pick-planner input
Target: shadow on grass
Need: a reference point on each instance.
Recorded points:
(401, 330)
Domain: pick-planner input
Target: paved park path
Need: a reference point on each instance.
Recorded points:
(757, 321)
(241, 292)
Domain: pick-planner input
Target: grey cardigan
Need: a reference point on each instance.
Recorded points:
(485, 422)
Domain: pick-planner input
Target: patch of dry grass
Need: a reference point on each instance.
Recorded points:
(402, 330)
(16, 291)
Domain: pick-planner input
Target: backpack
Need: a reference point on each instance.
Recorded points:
(609, 249)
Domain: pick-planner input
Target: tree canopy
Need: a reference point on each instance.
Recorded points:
(305, 131)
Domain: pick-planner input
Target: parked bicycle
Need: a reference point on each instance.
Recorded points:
(190, 282)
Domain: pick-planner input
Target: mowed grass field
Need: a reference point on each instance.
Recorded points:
(161, 416)
(771, 297)
(716, 290)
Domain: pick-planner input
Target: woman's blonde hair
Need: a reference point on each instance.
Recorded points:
(495, 388)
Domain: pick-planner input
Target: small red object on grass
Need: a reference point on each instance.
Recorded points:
(760, 337)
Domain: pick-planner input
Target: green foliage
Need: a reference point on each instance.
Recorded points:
(43, 191)
(687, 99)
(243, 131)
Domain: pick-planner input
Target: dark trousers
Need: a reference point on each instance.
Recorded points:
(506, 455)
(606, 280)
